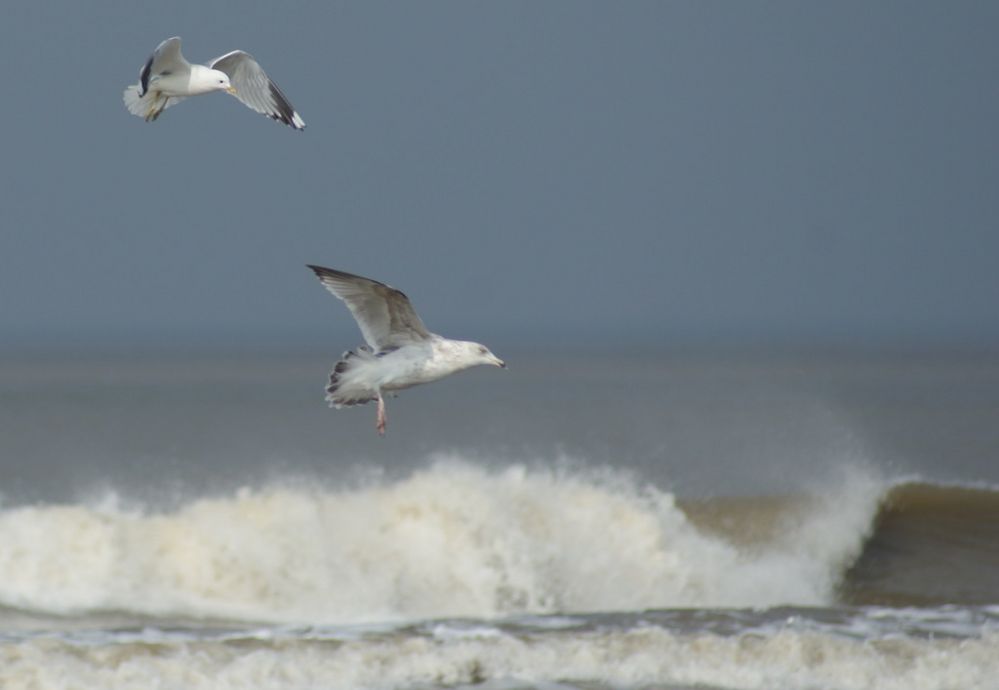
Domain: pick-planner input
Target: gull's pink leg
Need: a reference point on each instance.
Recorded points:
(380, 424)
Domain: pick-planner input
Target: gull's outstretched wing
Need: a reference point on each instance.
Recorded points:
(255, 89)
(384, 314)
(166, 59)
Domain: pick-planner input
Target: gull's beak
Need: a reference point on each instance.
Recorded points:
(499, 362)
(232, 90)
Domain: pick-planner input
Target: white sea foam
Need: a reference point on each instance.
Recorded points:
(640, 657)
(451, 540)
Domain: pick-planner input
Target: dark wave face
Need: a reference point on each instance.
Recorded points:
(930, 545)
(927, 544)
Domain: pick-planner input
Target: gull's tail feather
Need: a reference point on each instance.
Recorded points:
(149, 105)
(134, 102)
(344, 388)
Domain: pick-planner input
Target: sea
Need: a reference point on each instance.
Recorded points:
(590, 520)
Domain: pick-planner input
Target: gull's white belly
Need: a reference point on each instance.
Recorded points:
(402, 369)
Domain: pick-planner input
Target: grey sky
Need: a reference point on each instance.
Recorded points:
(653, 173)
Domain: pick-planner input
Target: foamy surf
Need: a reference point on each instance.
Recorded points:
(452, 540)
(460, 576)
(786, 649)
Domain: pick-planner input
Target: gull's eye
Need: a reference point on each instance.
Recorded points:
(482, 350)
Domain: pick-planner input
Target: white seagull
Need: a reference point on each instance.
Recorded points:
(168, 78)
(400, 353)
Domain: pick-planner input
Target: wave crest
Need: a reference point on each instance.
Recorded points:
(451, 540)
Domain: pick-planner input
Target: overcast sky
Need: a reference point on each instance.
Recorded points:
(653, 173)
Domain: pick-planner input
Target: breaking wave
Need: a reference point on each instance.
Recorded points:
(450, 540)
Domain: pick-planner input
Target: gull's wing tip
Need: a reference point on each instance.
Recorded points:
(320, 271)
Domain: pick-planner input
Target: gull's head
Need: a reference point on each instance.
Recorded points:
(480, 354)
(221, 82)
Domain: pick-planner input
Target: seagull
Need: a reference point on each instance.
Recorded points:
(400, 353)
(168, 78)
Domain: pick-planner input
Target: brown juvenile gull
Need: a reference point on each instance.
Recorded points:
(400, 353)
(168, 78)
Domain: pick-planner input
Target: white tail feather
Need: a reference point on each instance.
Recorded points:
(149, 105)
(134, 102)
(347, 385)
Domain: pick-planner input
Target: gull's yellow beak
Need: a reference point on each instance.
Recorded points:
(232, 90)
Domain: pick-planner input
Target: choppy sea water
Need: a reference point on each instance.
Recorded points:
(656, 522)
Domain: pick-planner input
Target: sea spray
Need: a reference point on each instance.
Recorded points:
(453, 539)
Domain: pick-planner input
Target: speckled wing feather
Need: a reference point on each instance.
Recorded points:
(384, 314)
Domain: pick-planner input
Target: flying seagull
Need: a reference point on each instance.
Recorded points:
(168, 78)
(400, 353)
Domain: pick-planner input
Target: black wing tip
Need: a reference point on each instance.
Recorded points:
(283, 109)
(290, 123)
(144, 76)
(325, 274)
(321, 270)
